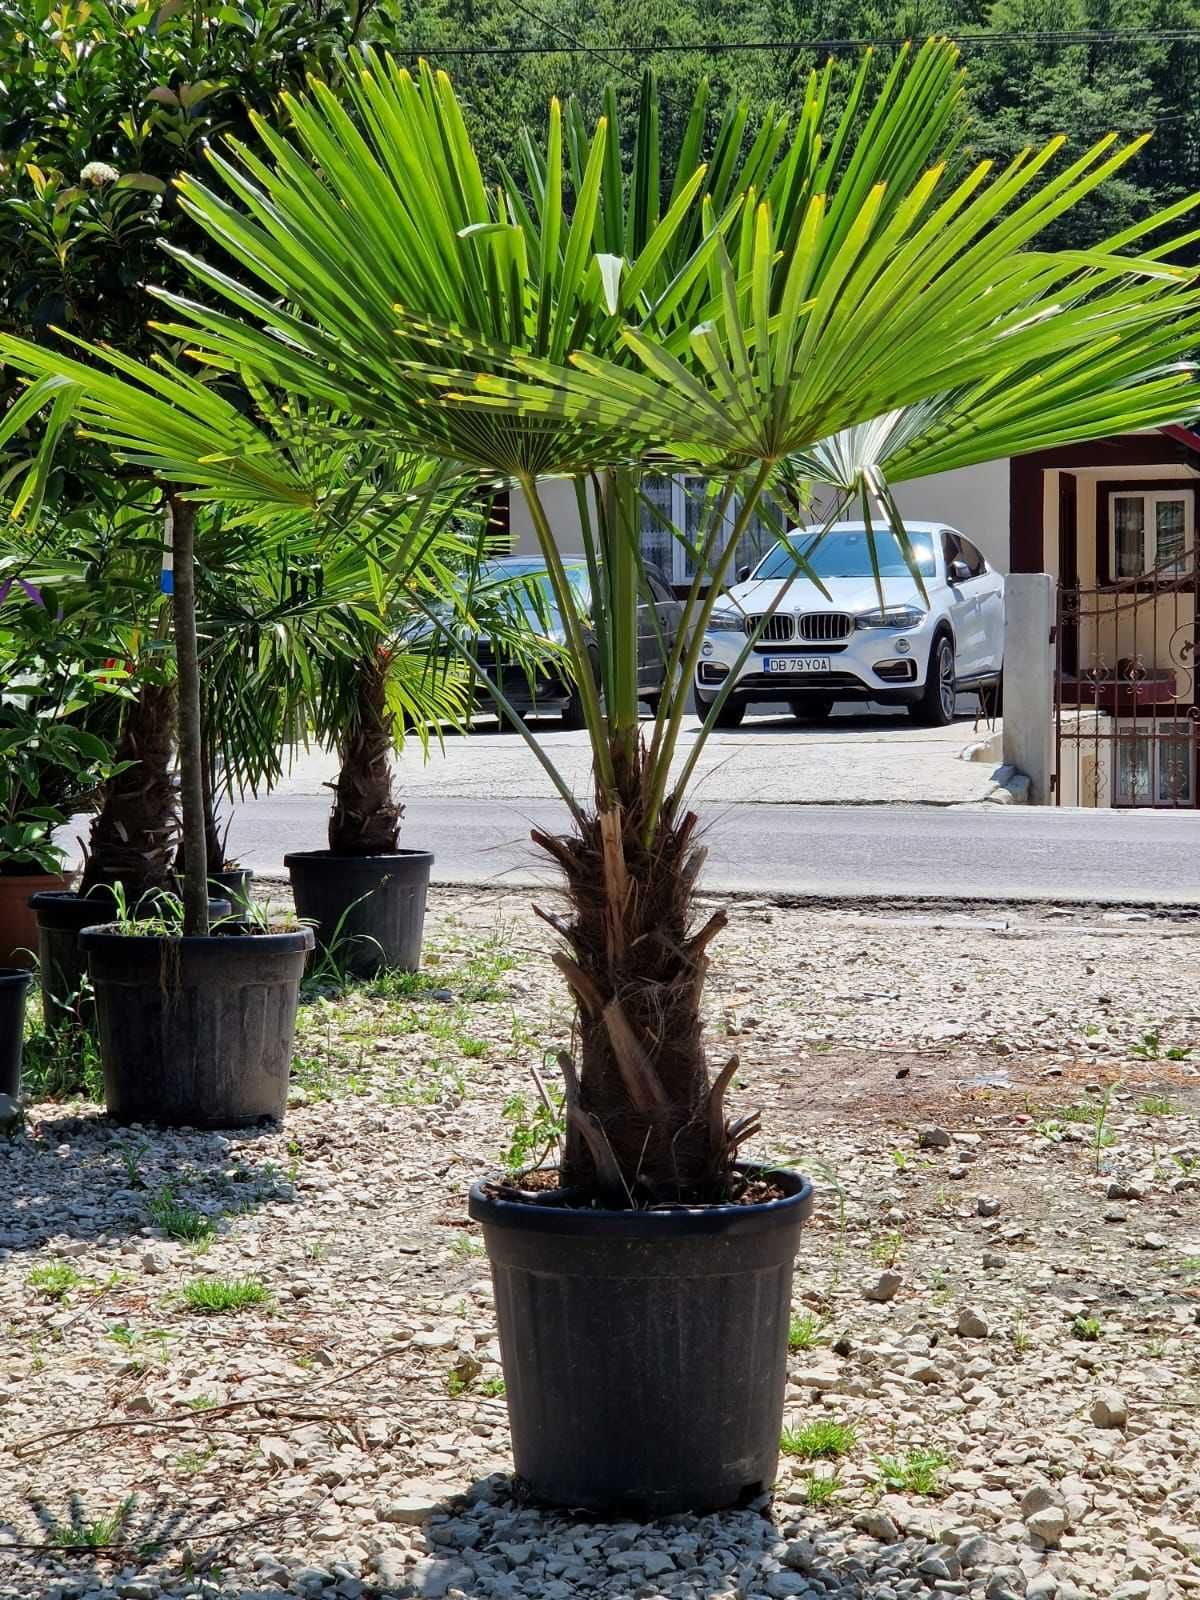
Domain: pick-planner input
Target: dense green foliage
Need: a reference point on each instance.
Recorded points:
(1018, 92)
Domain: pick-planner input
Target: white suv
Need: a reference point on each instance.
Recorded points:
(917, 651)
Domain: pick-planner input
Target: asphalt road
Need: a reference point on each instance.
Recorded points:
(973, 853)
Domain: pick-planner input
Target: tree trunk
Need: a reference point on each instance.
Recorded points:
(191, 757)
(365, 820)
(644, 1123)
(132, 840)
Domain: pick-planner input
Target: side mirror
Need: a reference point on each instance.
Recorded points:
(742, 574)
(958, 572)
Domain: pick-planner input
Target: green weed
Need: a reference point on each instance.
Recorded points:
(179, 1221)
(804, 1332)
(818, 1441)
(55, 1280)
(918, 1472)
(1087, 1328)
(819, 1491)
(1155, 1105)
(78, 1535)
(218, 1296)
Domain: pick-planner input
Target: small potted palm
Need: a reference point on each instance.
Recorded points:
(728, 318)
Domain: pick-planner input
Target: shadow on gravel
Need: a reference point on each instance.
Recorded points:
(487, 1544)
(81, 1176)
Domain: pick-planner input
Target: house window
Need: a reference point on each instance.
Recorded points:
(1149, 532)
(1156, 765)
(682, 503)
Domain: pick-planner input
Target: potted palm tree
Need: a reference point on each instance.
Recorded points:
(727, 318)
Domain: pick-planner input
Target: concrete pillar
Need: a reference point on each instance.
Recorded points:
(1029, 610)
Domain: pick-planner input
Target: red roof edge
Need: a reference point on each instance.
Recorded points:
(1184, 436)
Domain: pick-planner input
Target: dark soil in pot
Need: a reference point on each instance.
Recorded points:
(14, 985)
(644, 1352)
(198, 1031)
(368, 911)
(62, 965)
(18, 925)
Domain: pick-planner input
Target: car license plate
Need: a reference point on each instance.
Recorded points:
(796, 664)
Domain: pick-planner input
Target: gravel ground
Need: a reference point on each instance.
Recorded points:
(995, 1305)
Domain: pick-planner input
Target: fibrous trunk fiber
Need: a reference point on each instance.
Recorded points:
(645, 1124)
(132, 840)
(365, 820)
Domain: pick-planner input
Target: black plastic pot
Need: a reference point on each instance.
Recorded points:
(62, 964)
(644, 1352)
(368, 911)
(14, 985)
(196, 1032)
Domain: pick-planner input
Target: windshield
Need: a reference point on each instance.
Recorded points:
(530, 588)
(845, 553)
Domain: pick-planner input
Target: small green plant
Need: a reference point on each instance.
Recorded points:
(917, 1472)
(218, 1296)
(1156, 1346)
(1087, 1328)
(1149, 1048)
(464, 1248)
(55, 1280)
(314, 1250)
(472, 1048)
(120, 1333)
(200, 1402)
(1020, 1337)
(80, 1535)
(534, 1130)
(179, 1221)
(901, 1160)
(493, 1388)
(1050, 1129)
(821, 1490)
(315, 1076)
(62, 1063)
(190, 1462)
(1189, 1165)
(886, 1250)
(818, 1441)
(1103, 1137)
(1155, 1105)
(804, 1332)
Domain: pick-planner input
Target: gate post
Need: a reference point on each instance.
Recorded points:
(1029, 617)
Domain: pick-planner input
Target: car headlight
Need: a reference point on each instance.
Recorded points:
(725, 622)
(891, 617)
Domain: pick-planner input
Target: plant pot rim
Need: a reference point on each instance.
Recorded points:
(57, 897)
(343, 860)
(292, 941)
(15, 977)
(555, 1215)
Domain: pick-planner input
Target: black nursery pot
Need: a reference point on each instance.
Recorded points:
(14, 985)
(644, 1352)
(61, 918)
(369, 911)
(196, 1032)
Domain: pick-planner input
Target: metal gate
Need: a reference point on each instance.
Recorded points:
(1127, 725)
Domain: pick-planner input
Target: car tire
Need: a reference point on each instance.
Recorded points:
(935, 708)
(730, 715)
(571, 715)
(814, 708)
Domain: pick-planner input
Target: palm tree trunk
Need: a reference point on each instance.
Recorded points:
(132, 840)
(365, 820)
(645, 1123)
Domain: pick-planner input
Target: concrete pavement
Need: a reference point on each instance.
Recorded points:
(854, 758)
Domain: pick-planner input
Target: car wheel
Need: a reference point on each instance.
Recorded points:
(572, 713)
(935, 708)
(813, 708)
(730, 714)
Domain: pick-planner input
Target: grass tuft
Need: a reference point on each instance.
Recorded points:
(55, 1280)
(818, 1441)
(918, 1472)
(804, 1332)
(220, 1296)
(179, 1221)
